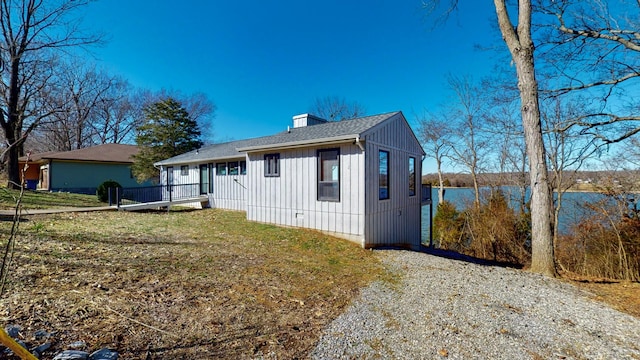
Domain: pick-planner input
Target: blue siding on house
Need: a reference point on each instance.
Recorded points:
(75, 176)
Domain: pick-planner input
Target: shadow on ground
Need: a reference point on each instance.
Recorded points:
(449, 254)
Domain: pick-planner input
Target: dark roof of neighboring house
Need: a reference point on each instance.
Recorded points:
(312, 134)
(118, 153)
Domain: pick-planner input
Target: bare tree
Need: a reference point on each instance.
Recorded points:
(470, 145)
(32, 32)
(505, 128)
(592, 47)
(116, 117)
(434, 132)
(81, 88)
(334, 108)
(567, 150)
(631, 153)
(518, 38)
(520, 44)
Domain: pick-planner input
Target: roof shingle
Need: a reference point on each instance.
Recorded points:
(119, 153)
(307, 134)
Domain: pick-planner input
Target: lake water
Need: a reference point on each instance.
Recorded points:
(570, 212)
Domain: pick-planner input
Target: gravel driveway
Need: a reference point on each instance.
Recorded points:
(458, 310)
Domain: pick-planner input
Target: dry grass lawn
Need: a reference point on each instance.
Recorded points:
(621, 295)
(184, 284)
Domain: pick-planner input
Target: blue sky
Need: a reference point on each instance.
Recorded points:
(261, 62)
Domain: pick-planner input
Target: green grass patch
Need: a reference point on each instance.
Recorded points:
(46, 200)
(217, 285)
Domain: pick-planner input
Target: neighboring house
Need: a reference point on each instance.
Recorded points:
(81, 171)
(356, 179)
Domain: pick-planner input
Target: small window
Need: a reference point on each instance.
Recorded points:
(221, 169)
(329, 175)
(233, 168)
(412, 176)
(243, 167)
(383, 176)
(272, 165)
(184, 170)
(212, 170)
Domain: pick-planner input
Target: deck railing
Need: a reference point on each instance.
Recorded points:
(146, 194)
(425, 198)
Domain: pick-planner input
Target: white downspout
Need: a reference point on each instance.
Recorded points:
(359, 143)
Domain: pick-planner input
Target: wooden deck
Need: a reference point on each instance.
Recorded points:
(202, 199)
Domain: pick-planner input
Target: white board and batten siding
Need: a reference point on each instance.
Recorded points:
(393, 221)
(291, 199)
(229, 191)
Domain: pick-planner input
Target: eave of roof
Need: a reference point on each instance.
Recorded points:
(221, 151)
(313, 135)
(302, 143)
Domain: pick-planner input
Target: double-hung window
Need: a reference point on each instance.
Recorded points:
(272, 165)
(329, 175)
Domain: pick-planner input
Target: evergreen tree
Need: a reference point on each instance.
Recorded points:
(167, 131)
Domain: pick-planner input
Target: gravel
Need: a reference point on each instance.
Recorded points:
(453, 309)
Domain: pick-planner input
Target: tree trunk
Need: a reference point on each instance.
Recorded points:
(440, 181)
(13, 168)
(542, 257)
(476, 187)
(521, 47)
(11, 127)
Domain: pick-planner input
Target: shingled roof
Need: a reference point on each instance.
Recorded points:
(314, 134)
(116, 153)
(228, 150)
(300, 136)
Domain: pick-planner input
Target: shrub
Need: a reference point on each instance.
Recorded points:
(447, 227)
(103, 190)
(605, 244)
(491, 230)
(496, 232)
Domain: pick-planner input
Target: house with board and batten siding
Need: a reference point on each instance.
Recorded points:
(357, 179)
